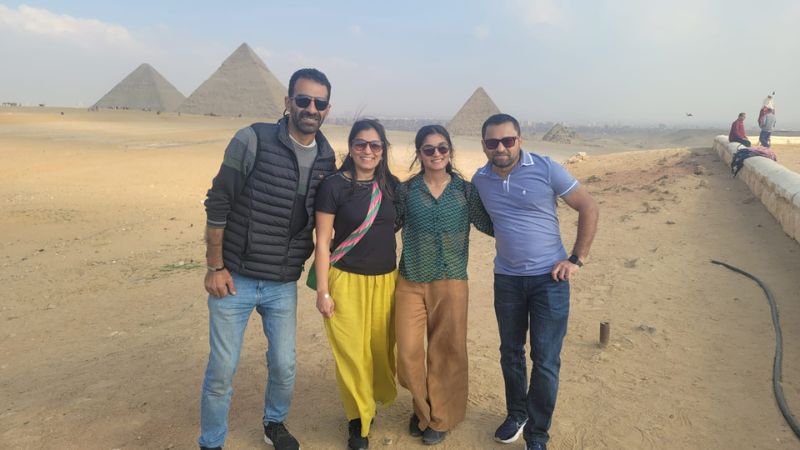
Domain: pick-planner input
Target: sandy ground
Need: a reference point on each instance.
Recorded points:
(103, 327)
(788, 156)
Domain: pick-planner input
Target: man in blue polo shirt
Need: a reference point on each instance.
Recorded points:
(532, 271)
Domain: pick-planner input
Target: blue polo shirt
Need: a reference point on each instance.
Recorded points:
(523, 211)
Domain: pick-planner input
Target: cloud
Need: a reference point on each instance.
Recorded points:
(481, 32)
(60, 59)
(46, 24)
(538, 12)
(679, 24)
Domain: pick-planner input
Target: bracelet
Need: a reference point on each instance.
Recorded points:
(216, 269)
(326, 295)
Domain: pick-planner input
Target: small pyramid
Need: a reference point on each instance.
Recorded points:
(241, 86)
(560, 133)
(469, 119)
(144, 88)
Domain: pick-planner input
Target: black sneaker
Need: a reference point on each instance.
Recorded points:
(276, 435)
(433, 437)
(356, 441)
(210, 448)
(535, 446)
(413, 426)
(510, 430)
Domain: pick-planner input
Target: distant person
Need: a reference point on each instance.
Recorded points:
(737, 133)
(531, 271)
(260, 215)
(435, 207)
(767, 125)
(766, 105)
(355, 228)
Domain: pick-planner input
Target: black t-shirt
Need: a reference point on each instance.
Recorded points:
(376, 253)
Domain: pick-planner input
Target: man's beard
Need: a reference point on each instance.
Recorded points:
(504, 163)
(306, 128)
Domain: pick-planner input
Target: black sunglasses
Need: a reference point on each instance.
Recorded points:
(429, 150)
(507, 141)
(360, 145)
(302, 101)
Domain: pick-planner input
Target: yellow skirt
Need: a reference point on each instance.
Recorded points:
(362, 336)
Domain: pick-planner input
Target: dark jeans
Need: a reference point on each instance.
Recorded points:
(742, 141)
(544, 304)
(764, 138)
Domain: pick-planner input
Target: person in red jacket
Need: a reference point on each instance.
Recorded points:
(737, 133)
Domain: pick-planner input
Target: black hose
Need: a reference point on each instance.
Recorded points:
(776, 367)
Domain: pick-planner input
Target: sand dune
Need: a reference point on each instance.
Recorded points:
(104, 328)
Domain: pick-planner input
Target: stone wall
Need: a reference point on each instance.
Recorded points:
(777, 187)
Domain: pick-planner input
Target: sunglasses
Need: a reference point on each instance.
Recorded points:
(360, 145)
(429, 150)
(302, 101)
(507, 141)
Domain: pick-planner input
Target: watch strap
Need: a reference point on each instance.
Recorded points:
(575, 260)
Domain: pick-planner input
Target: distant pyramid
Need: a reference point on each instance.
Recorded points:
(241, 86)
(144, 88)
(469, 119)
(560, 133)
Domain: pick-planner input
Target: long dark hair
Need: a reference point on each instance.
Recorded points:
(383, 175)
(426, 131)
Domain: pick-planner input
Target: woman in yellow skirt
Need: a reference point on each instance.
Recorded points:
(355, 220)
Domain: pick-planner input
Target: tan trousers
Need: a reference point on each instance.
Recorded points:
(440, 308)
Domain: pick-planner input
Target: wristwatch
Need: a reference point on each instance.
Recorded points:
(575, 260)
(215, 269)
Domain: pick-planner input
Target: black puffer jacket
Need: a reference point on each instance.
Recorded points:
(257, 239)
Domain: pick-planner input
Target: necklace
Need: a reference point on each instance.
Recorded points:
(437, 185)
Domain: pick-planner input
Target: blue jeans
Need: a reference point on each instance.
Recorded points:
(544, 304)
(764, 138)
(742, 141)
(228, 316)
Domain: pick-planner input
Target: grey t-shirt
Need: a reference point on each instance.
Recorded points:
(769, 122)
(305, 159)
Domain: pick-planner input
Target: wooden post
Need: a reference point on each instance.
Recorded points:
(605, 332)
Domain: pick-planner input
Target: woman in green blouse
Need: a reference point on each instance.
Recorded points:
(435, 208)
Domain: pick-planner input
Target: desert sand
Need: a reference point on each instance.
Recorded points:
(788, 156)
(103, 336)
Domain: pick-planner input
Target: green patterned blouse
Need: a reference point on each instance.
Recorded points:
(436, 231)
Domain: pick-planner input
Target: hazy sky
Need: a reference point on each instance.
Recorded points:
(581, 61)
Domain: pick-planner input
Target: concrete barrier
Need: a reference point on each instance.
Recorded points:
(781, 140)
(777, 187)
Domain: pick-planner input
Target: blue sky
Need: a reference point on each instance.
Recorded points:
(603, 61)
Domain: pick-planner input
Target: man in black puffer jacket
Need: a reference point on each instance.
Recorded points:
(260, 215)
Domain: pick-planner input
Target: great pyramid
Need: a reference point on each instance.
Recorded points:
(144, 88)
(241, 86)
(469, 119)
